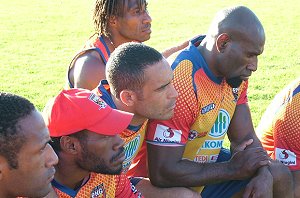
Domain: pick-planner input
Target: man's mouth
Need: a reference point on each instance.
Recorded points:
(147, 29)
(120, 157)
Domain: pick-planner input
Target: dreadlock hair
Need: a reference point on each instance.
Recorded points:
(13, 108)
(105, 9)
(126, 67)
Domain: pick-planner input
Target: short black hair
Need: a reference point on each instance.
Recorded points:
(13, 108)
(126, 65)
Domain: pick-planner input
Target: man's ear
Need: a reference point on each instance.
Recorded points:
(112, 21)
(69, 144)
(3, 166)
(222, 42)
(128, 97)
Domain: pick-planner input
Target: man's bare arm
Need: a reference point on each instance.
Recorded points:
(167, 168)
(89, 70)
(296, 178)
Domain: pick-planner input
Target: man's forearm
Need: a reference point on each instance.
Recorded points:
(190, 174)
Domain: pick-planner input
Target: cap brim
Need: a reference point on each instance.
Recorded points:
(114, 123)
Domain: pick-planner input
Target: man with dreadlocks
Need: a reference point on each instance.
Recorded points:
(116, 22)
(26, 159)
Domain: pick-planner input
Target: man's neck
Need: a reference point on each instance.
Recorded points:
(118, 39)
(207, 54)
(70, 176)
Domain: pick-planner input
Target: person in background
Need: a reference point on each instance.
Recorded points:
(115, 23)
(279, 130)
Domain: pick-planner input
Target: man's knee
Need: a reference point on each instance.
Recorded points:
(282, 180)
(280, 173)
(149, 191)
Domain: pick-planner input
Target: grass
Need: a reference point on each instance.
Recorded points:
(39, 38)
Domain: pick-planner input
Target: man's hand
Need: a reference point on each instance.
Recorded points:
(260, 186)
(245, 162)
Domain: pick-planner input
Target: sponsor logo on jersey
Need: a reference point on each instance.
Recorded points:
(201, 158)
(166, 134)
(213, 158)
(285, 156)
(98, 192)
(221, 124)
(131, 149)
(206, 158)
(135, 191)
(212, 144)
(235, 92)
(208, 108)
(195, 134)
(97, 100)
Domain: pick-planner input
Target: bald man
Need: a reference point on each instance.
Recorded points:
(212, 81)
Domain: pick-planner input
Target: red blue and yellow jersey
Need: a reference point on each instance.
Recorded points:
(96, 43)
(279, 128)
(99, 186)
(203, 111)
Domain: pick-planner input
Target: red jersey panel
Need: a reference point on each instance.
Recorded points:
(279, 128)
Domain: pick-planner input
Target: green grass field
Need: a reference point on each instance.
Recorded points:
(39, 38)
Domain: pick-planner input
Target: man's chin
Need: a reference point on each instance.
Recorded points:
(234, 82)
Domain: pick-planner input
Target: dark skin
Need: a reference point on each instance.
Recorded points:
(230, 52)
(70, 174)
(134, 25)
(89, 69)
(296, 177)
(243, 164)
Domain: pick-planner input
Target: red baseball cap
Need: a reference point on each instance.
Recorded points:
(77, 109)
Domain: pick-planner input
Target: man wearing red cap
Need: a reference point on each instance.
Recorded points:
(139, 81)
(84, 130)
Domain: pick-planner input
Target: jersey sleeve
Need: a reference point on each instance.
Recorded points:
(174, 132)
(125, 189)
(279, 127)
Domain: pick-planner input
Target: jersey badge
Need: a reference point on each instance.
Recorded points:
(98, 192)
(235, 92)
(193, 134)
(208, 108)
